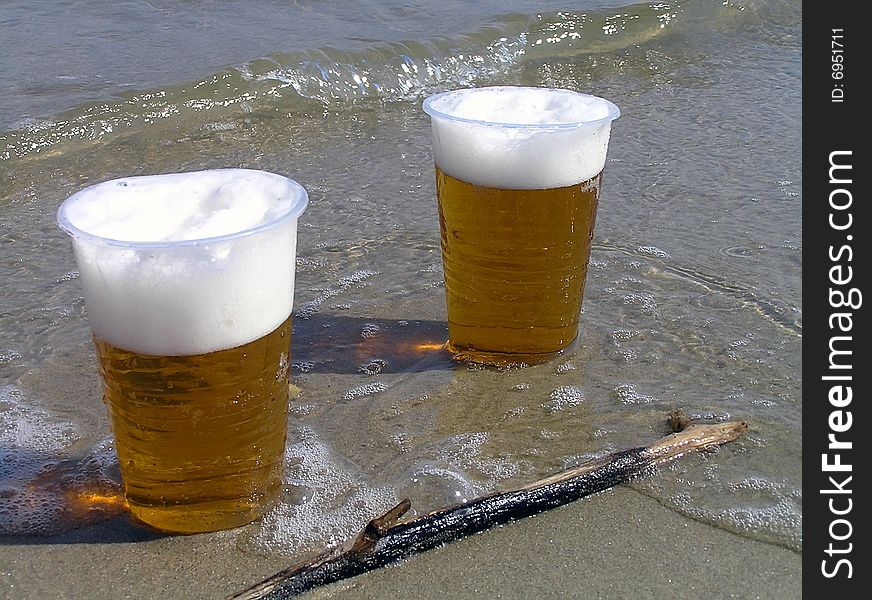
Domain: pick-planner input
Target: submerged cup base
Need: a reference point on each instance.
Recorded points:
(202, 517)
(506, 359)
(200, 438)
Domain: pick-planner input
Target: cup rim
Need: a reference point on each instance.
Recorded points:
(614, 111)
(294, 189)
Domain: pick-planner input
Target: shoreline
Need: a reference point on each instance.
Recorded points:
(619, 543)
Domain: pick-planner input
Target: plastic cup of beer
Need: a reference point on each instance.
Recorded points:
(518, 174)
(188, 282)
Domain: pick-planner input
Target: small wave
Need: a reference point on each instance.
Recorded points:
(403, 71)
(335, 78)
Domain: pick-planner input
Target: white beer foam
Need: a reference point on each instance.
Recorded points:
(186, 263)
(520, 137)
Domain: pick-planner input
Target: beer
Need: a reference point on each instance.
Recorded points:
(188, 282)
(518, 174)
(514, 294)
(200, 438)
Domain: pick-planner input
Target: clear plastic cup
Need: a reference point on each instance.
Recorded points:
(188, 282)
(518, 176)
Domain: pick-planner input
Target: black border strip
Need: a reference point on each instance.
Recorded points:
(835, 240)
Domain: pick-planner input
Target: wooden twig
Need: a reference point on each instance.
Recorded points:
(385, 540)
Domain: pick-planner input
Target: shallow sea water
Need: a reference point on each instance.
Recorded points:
(692, 298)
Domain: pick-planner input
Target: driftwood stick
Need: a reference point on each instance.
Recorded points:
(384, 540)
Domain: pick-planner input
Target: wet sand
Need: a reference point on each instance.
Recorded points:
(617, 544)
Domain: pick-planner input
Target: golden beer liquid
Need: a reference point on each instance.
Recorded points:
(201, 438)
(515, 263)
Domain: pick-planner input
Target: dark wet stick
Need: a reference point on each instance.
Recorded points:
(384, 541)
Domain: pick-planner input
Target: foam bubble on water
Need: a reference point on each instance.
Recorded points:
(312, 265)
(369, 330)
(465, 453)
(358, 276)
(762, 402)
(548, 138)
(597, 263)
(334, 502)
(68, 276)
(759, 507)
(575, 460)
(653, 251)
(303, 366)
(301, 409)
(626, 393)
(567, 366)
(431, 268)
(455, 470)
(644, 300)
(373, 367)
(367, 389)
(43, 491)
(307, 309)
(436, 487)
(620, 335)
(174, 287)
(565, 396)
(30, 428)
(517, 411)
(402, 441)
(8, 356)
